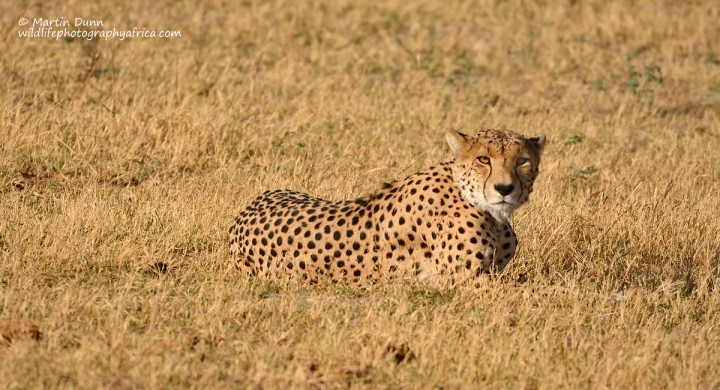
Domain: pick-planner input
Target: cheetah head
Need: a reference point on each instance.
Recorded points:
(495, 169)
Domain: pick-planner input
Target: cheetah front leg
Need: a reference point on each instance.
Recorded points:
(465, 252)
(507, 243)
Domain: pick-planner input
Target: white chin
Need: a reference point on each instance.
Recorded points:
(500, 212)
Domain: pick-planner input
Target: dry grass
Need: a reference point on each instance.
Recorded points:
(123, 162)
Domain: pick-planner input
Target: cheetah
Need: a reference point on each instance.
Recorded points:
(449, 222)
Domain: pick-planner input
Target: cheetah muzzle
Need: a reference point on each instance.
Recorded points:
(449, 222)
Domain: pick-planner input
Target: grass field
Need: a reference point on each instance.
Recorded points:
(123, 162)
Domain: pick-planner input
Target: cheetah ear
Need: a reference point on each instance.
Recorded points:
(455, 140)
(538, 141)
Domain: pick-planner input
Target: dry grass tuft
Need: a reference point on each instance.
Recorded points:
(123, 162)
(12, 331)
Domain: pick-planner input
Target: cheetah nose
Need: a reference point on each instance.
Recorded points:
(504, 189)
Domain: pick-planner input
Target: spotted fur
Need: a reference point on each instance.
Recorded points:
(449, 222)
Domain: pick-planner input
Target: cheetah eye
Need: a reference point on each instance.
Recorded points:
(484, 160)
(521, 161)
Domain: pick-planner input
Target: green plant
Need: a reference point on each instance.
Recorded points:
(643, 84)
